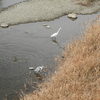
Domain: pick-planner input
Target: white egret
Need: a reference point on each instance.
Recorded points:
(55, 34)
(38, 69)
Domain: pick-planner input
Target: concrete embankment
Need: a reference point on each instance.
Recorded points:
(41, 10)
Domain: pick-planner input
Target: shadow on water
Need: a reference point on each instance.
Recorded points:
(30, 45)
(38, 76)
(55, 41)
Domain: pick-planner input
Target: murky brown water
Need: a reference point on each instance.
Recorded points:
(29, 45)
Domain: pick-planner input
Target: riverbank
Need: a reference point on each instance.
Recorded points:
(44, 10)
(77, 76)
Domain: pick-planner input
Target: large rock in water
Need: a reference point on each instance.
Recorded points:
(73, 15)
(4, 25)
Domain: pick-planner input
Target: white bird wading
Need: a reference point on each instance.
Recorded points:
(38, 69)
(53, 36)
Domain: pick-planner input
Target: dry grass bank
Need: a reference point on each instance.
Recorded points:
(78, 74)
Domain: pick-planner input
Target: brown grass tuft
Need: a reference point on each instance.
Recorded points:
(78, 74)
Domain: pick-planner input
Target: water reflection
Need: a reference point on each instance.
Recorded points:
(12, 96)
(38, 76)
(55, 41)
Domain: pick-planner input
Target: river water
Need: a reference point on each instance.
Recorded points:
(29, 45)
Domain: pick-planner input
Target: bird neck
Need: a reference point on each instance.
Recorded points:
(58, 30)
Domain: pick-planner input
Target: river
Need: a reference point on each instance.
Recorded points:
(30, 45)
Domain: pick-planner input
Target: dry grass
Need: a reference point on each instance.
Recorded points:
(78, 74)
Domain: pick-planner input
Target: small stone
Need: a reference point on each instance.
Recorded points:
(14, 59)
(46, 26)
(4, 25)
(31, 68)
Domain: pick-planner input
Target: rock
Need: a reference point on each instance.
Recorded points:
(31, 68)
(74, 16)
(46, 26)
(4, 25)
(14, 59)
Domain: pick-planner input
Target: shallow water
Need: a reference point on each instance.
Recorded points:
(29, 45)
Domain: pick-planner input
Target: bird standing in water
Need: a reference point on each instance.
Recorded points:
(53, 36)
(38, 69)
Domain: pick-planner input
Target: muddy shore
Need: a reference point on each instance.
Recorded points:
(43, 10)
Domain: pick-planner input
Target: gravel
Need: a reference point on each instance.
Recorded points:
(43, 10)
